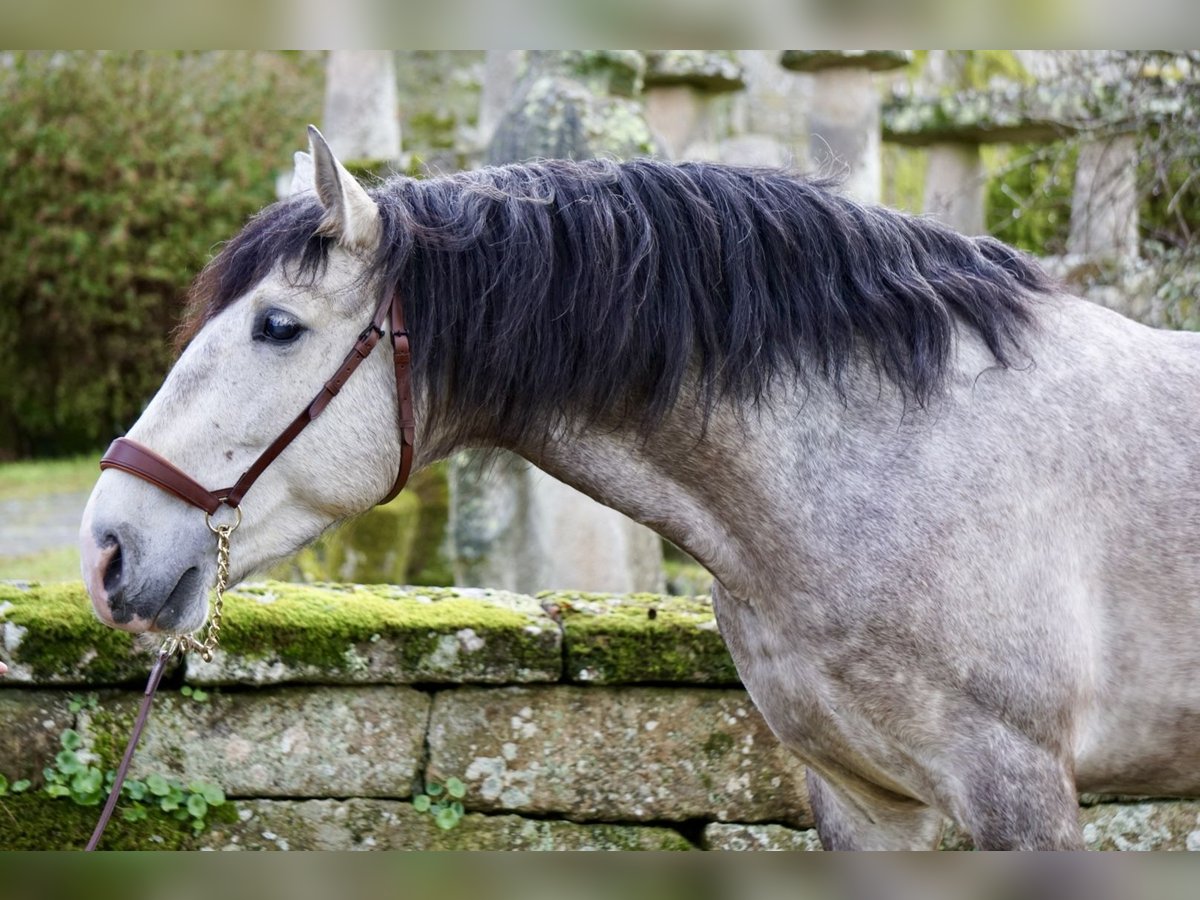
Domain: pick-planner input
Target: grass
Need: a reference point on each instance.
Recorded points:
(28, 480)
(59, 564)
(34, 478)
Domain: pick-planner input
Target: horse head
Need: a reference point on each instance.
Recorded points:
(265, 341)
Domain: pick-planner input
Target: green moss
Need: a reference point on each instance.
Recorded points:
(373, 548)
(63, 641)
(323, 625)
(44, 823)
(718, 744)
(428, 633)
(429, 561)
(641, 638)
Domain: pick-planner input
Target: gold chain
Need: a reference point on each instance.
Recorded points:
(184, 643)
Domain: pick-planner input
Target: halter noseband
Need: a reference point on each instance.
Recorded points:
(131, 457)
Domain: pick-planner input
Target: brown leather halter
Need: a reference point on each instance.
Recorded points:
(130, 456)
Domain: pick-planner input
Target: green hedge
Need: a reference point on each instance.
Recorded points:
(121, 171)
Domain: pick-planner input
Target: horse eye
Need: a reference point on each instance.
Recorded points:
(278, 327)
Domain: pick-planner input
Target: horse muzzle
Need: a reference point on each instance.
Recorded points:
(130, 594)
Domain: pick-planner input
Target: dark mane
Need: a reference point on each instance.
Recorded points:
(553, 287)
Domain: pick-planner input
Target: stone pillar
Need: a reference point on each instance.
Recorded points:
(687, 100)
(955, 186)
(361, 120)
(513, 526)
(844, 121)
(575, 104)
(1104, 206)
(770, 117)
(501, 69)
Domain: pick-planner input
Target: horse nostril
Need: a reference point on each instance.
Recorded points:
(112, 571)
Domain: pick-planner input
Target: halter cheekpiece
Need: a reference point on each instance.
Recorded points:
(131, 457)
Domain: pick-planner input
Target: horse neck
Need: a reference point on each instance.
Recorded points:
(720, 492)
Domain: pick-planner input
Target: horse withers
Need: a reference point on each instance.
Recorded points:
(951, 512)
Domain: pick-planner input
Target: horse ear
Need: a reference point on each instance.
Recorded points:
(303, 177)
(351, 215)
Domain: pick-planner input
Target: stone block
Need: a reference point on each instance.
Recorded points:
(640, 638)
(308, 742)
(720, 836)
(1009, 114)
(353, 634)
(31, 723)
(359, 824)
(1136, 825)
(620, 754)
(49, 636)
(706, 70)
(1160, 825)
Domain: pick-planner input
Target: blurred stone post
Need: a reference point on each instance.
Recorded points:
(361, 119)
(575, 104)
(1104, 205)
(512, 526)
(844, 123)
(770, 117)
(501, 68)
(687, 100)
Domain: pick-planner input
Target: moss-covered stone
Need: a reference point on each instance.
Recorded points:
(310, 742)
(359, 824)
(49, 635)
(338, 634)
(277, 632)
(575, 105)
(615, 754)
(640, 638)
(43, 823)
(707, 70)
(1012, 114)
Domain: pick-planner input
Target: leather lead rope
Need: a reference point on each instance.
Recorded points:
(133, 458)
(114, 794)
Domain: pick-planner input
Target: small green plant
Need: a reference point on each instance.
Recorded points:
(79, 702)
(74, 776)
(17, 787)
(195, 693)
(443, 802)
(190, 803)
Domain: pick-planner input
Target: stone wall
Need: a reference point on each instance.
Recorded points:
(574, 721)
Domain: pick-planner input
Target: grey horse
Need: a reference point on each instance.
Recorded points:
(951, 511)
